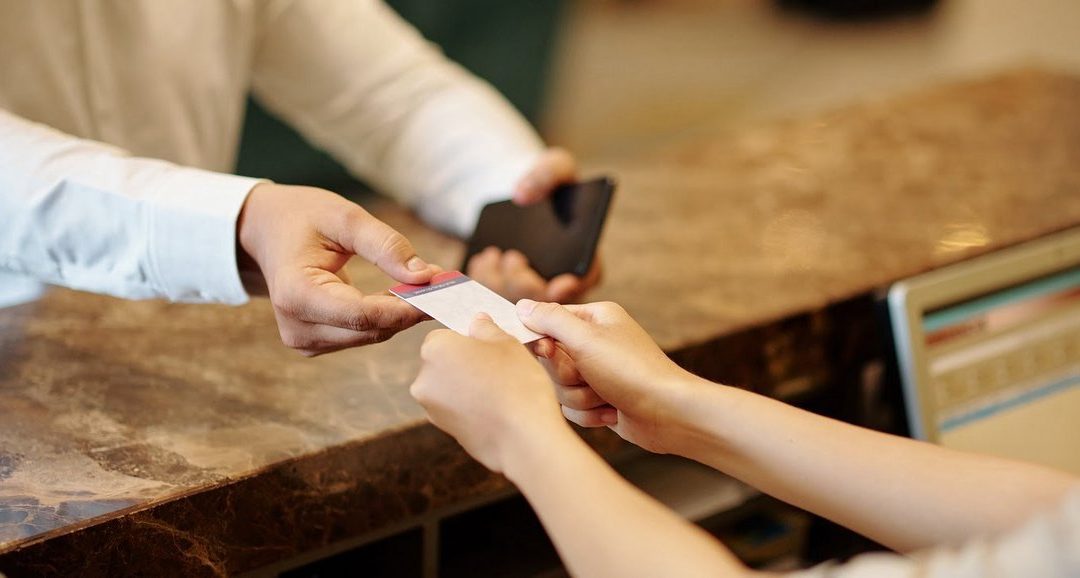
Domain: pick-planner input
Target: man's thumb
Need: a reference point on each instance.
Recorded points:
(387, 249)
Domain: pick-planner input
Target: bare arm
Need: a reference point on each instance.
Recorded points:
(604, 526)
(498, 403)
(900, 492)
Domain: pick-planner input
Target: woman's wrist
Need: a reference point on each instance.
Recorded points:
(537, 445)
(696, 416)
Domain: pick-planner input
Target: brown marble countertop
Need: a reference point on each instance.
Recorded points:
(133, 432)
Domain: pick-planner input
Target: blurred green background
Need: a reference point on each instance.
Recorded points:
(509, 44)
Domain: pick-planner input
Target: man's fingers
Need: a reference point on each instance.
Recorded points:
(484, 267)
(485, 260)
(381, 245)
(555, 166)
(484, 328)
(555, 320)
(320, 297)
(312, 339)
(564, 288)
(518, 277)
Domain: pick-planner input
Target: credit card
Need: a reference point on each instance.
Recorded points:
(454, 299)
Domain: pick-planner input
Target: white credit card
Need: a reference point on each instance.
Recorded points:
(455, 300)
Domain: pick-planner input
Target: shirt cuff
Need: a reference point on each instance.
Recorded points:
(192, 233)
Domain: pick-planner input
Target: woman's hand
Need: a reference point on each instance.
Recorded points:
(609, 372)
(486, 390)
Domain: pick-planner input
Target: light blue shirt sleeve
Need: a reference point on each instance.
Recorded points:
(86, 215)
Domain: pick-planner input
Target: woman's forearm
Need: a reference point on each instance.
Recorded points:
(602, 525)
(903, 493)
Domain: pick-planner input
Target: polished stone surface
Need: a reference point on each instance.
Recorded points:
(712, 235)
(142, 436)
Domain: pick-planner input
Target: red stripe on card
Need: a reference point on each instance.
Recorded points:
(446, 276)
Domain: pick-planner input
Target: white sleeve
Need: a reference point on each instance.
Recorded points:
(363, 85)
(1047, 546)
(88, 216)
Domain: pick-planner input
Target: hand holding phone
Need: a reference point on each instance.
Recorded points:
(558, 235)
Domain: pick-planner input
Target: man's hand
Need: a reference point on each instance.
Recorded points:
(486, 390)
(508, 273)
(300, 238)
(609, 372)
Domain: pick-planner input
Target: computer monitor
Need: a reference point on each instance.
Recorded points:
(989, 352)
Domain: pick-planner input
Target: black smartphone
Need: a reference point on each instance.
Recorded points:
(558, 235)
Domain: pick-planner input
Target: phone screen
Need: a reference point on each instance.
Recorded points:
(558, 235)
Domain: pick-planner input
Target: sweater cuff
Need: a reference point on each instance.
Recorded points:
(457, 210)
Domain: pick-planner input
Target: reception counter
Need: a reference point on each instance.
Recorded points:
(164, 439)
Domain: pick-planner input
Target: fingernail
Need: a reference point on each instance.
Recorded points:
(525, 307)
(610, 417)
(416, 264)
